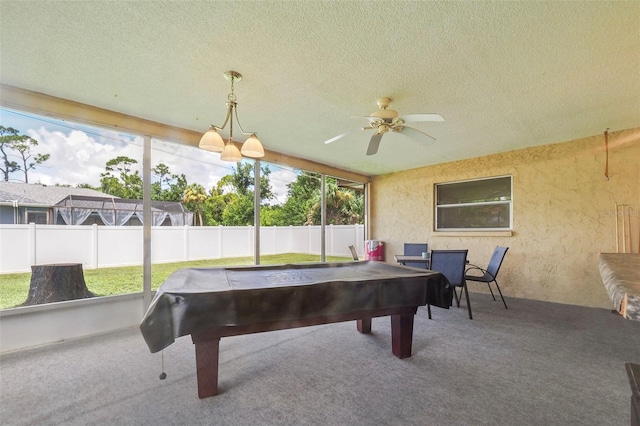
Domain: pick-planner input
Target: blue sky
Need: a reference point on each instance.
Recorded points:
(79, 154)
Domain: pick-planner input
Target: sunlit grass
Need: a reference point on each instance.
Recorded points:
(14, 288)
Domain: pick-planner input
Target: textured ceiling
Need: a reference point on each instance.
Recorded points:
(504, 75)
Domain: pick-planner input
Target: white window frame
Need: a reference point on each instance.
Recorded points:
(438, 207)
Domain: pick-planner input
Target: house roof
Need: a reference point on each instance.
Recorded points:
(62, 196)
(41, 195)
(504, 75)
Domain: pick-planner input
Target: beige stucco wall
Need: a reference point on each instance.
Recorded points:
(563, 214)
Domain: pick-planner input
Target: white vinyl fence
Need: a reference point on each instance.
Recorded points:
(108, 246)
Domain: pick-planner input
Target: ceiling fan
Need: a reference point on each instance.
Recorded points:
(385, 120)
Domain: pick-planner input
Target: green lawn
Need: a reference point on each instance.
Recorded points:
(109, 281)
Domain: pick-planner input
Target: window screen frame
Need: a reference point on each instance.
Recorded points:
(438, 207)
(29, 212)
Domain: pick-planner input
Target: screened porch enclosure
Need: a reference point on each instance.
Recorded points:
(86, 210)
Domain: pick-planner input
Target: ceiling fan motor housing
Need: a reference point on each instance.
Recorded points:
(383, 113)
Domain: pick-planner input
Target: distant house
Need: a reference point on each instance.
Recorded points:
(22, 203)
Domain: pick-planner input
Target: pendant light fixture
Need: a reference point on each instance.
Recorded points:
(212, 141)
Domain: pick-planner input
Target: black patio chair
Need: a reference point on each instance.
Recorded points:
(451, 264)
(490, 274)
(415, 249)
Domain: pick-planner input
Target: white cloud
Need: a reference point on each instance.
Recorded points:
(280, 178)
(75, 157)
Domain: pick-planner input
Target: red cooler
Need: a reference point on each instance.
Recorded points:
(374, 250)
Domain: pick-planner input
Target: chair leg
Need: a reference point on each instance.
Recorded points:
(498, 287)
(429, 310)
(455, 293)
(466, 293)
(494, 297)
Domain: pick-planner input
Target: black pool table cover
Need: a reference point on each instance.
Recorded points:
(196, 299)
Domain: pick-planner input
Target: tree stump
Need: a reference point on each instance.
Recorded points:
(56, 283)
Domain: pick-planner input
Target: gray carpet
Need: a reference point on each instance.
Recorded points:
(535, 364)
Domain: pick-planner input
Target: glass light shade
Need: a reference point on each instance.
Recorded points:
(212, 141)
(252, 147)
(230, 153)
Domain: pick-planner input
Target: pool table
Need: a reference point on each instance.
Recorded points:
(211, 303)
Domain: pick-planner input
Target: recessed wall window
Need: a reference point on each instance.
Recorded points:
(481, 204)
(37, 217)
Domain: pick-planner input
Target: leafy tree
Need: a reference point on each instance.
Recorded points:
(343, 206)
(303, 193)
(168, 187)
(230, 202)
(194, 199)
(303, 205)
(7, 137)
(215, 205)
(13, 143)
(118, 180)
(24, 144)
(86, 185)
(266, 190)
(270, 215)
(239, 212)
(242, 179)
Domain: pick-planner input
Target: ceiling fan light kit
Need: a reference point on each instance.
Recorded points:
(385, 119)
(212, 141)
(382, 129)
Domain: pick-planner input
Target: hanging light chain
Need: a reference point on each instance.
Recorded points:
(232, 97)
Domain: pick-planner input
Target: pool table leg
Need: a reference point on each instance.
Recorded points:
(207, 355)
(364, 325)
(401, 335)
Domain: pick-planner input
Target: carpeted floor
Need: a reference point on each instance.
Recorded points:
(536, 363)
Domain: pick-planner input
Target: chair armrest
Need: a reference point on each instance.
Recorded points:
(473, 268)
(485, 273)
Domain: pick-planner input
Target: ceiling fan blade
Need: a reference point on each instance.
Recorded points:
(335, 138)
(372, 119)
(416, 134)
(374, 144)
(413, 118)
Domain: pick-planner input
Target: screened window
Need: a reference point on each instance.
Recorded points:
(483, 204)
(37, 217)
